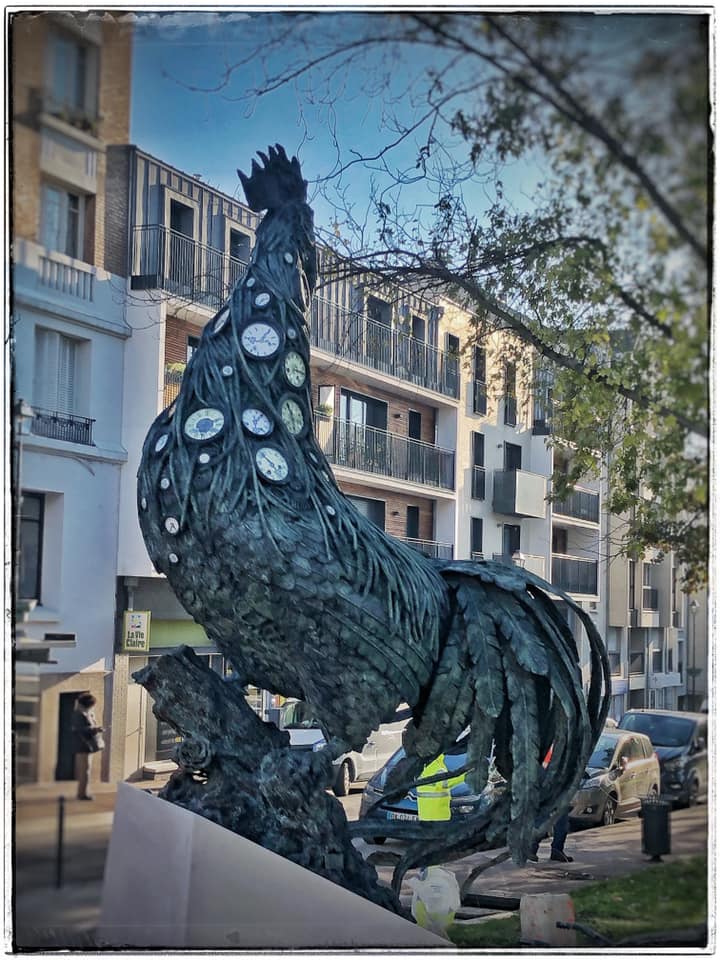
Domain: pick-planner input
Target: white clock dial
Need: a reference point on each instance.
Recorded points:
(257, 422)
(292, 415)
(221, 320)
(160, 445)
(204, 424)
(260, 340)
(272, 464)
(295, 369)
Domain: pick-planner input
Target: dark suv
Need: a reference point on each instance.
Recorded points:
(680, 741)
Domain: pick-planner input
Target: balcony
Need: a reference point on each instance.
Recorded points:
(580, 505)
(65, 276)
(371, 450)
(476, 555)
(430, 548)
(62, 426)
(479, 397)
(575, 574)
(530, 562)
(478, 483)
(164, 259)
(519, 493)
(354, 337)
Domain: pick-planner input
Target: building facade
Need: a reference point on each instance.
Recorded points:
(70, 76)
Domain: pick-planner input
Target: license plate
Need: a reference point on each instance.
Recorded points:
(401, 816)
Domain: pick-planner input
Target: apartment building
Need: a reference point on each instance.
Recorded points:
(70, 89)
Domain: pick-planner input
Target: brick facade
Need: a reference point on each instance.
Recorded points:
(396, 505)
(30, 52)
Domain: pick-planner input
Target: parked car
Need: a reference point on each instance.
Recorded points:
(680, 741)
(305, 734)
(462, 800)
(622, 769)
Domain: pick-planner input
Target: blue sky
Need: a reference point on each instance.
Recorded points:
(179, 55)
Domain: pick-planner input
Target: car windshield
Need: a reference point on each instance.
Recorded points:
(662, 731)
(603, 753)
(299, 716)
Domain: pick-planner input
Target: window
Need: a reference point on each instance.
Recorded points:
(478, 467)
(56, 372)
(31, 528)
(414, 425)
(631, 585)
(510, 395)
(559, 540)
(239, 246)
(412, 523)
(476, 537)
(72, 77)
(511, 539)
(513, 456)
(372, 509)
(478, 449)
(453, 344)
(479, 363)
(357, 408)
(61, 221)
(479, 385)
(418, 328)
(192, 344)
(379, 311)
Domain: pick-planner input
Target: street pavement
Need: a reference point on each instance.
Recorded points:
(48, 916)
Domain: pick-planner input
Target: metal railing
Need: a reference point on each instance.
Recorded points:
(580, 504)
(479, 397)
(355, 337)
(476, 555)
(478, 483)
(372, 450)
(62, 426)
(650, 598)
(164, 259)
(574, 574)
(430, 548)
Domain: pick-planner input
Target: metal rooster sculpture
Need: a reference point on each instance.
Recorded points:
(307, 598)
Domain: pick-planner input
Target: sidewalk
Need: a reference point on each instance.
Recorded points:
(48, 917)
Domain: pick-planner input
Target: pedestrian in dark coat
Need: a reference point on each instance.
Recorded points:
(87, 740)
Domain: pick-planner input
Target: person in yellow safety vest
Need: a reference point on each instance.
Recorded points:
(433, 799)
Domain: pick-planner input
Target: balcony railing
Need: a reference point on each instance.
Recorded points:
(574, 574)
(637, 663)
(359, 447)
(478, 483)
(430, 548)
(62, 426)
(355, 337)
(479, 397)
(650, 598)
(580, 504)
(476, 555)
(164, 259)
(71, 279)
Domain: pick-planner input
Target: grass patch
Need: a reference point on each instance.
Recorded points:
(657, 899)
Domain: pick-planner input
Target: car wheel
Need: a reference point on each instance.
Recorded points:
(693, 792)
(341, 787)
(608, 814)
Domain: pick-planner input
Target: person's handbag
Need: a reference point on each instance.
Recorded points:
(96, 742)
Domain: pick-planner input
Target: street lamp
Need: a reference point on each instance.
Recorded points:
(23, 415)
(693, 608)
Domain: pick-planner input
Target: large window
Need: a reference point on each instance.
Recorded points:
(72, 77)
(62, 220)
(372, 509)
(476, 538)
(56, 372)
(31, 527)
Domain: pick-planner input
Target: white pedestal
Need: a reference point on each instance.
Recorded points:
(176, 880)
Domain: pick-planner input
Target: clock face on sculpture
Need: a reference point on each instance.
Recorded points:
(294, 367)
(292, 416)
(272, 464)
(260, 339)
(256, 422)
(204, 424)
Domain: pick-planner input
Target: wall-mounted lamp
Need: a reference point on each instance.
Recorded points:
(396, 513)
(397, 416)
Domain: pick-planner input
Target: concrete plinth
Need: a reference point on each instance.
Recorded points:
(175, 880)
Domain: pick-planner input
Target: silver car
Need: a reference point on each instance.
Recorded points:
(622, 770)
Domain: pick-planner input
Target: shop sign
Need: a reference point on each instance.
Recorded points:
(619, 685)
(136, 631)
